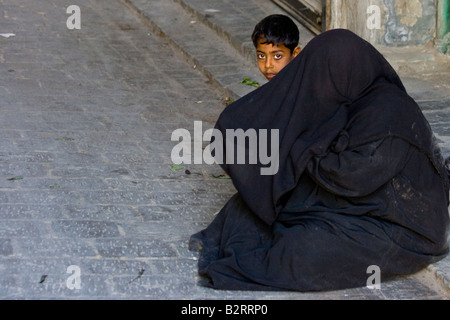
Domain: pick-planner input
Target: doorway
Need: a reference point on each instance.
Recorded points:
(310, 13)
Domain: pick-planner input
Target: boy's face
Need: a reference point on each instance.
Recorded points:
(272, 59)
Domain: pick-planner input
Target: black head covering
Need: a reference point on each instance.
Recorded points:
(337, 80)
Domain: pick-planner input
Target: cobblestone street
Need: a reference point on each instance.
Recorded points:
(86, 179)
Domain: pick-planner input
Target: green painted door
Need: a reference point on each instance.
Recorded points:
(443, 26)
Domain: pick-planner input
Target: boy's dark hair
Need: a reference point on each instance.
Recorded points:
(277, 29)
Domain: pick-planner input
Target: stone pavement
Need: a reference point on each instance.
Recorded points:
(90, 205)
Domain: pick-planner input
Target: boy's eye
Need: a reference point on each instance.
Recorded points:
(261, 56)
(278, 56)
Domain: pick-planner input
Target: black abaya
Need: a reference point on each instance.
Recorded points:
(361, 181)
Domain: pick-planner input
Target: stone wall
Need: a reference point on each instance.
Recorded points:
(388, 22)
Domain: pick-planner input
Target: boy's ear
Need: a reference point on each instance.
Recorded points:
(297, 50)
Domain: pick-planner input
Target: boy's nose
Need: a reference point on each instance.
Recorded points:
(269, 63)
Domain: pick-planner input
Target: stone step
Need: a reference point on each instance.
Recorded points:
(199, 44)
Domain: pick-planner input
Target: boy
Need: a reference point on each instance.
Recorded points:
(276, 40)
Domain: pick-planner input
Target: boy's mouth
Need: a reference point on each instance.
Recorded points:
(270, 76)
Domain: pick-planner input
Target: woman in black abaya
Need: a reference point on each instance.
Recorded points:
(361, 181)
